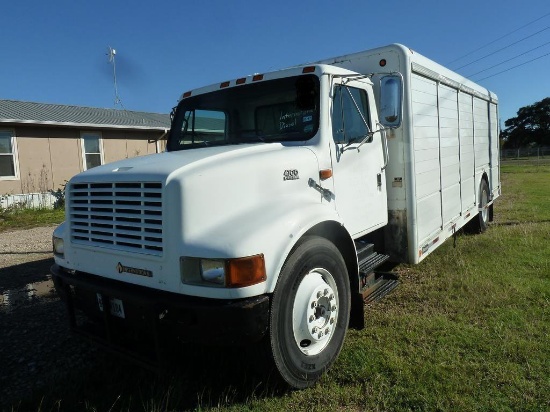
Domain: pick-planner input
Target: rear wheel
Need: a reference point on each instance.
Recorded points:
(310, 312)
(481, 221)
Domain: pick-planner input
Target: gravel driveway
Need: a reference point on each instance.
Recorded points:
(35, 344)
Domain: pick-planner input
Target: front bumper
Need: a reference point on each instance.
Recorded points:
(155, 321)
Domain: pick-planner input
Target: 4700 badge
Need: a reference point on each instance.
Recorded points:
(117, 307)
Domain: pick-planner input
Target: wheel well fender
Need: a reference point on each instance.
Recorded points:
(340, 237)
(480, 177)
(485, 177)
(336, 233)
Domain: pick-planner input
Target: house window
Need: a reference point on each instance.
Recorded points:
(92, 150)
(8, 165)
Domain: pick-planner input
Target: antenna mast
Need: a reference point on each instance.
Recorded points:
(111, 54)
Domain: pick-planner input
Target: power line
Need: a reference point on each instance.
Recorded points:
(513, 67)
(502, 48)
(508, 60)
(494, 41)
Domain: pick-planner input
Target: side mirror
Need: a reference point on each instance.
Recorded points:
(391, 100)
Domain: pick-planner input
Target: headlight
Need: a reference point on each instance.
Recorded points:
(58, 246)
(213, 271)
(230, 273)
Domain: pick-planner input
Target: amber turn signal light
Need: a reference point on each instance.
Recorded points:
(246, 271)
(325, 174)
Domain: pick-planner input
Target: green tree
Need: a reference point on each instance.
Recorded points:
(531, 126)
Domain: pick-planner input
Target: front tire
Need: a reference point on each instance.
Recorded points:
(310, 312)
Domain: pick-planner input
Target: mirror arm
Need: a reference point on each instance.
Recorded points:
(385, 143)
(368, 137)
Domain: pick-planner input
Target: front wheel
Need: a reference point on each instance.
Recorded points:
(310, 312)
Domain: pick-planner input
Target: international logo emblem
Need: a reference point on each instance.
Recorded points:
(133, 271)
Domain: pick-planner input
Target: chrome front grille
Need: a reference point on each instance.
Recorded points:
(122, 216)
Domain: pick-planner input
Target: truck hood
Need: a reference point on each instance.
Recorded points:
(159, 165)
(215, 202)
(207, 190)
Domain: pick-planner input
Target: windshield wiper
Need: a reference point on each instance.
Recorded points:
(283, 137)
(246, 140)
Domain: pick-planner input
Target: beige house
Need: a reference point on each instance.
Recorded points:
(44, 145)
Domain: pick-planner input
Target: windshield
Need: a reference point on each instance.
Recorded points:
(267, 111)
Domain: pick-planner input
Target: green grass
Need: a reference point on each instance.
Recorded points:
(19, 218)
(526, 187)
(467, 329)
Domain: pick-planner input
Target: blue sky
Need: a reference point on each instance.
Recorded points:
(55, 51)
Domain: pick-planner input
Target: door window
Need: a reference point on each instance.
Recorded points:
(350, 111)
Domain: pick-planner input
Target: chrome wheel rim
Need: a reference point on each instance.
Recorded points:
(315, 311)
(484, 208)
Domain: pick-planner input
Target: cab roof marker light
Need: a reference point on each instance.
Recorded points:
(308, 69)
(186, 94)
(224, 84)
(242, 80)
(257, 77)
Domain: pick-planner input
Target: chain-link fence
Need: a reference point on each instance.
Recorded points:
(529, 153)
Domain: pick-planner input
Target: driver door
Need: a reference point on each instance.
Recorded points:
(358, 161)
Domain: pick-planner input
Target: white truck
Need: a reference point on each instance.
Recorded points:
(277, 199)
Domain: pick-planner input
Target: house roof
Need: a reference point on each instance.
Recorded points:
(14, 111)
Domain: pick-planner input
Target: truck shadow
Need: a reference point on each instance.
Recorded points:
(201, 378)
(44, 363)
(518, 223)
(24, 276)
(227, 376)
(211, 377)
(36, 349)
